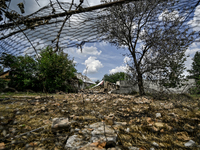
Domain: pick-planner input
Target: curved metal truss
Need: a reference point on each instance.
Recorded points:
(61, 25)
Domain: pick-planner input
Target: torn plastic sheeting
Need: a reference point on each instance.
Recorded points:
(100, 83)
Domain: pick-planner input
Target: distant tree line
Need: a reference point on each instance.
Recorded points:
(195, 73)
(114, 77)
(47, 73)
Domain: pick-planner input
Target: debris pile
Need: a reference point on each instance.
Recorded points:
(98, 121)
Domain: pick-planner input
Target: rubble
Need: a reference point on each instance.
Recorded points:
(98, 121)
(190, 143)
(61, 123)
(158, 115)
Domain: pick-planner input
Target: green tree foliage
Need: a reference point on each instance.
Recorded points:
(195, 71)
(50, 72)
(152, 36)
(113, 78)
(22, 71)
(56, 71)
(2, 81)
(172, 74)
(1, 69)
(97, 81)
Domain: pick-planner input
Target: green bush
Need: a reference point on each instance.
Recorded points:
(88, 87)
(50, 72)
(196, 89)
(2, 84)
(23, 70)
(56, 71)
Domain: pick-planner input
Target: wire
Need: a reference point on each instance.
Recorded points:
(87, 2)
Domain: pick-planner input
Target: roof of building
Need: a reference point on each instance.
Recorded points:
(3, 73)
(84, 78)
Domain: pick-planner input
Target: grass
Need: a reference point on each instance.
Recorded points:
(30, 95)
(10, 94)
(126, 108)
(195, 96)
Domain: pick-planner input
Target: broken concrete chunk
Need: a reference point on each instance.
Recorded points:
(61, 123)
(74, 142)
(37, 97)
(96, 125)
(155, 144)
(158, 115)
(134, 148)
(43, 108)
(100, 131)
(4, 132)
(190, 143)
(159, 124)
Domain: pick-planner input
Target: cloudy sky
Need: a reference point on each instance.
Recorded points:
(98, 59)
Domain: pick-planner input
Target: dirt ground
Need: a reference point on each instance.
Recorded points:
(147, 122)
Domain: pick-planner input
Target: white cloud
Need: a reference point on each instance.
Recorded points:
(168, 15)
(193, 49)
(92, 2)
(122, 68)
(191, 52)
(70, 50)
(75, 62)
(118, 69)
(103, 44)
(89, 51)
(92, 65)
(126, 59)
(195, 22)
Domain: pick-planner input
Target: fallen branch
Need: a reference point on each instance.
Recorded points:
(17, 136)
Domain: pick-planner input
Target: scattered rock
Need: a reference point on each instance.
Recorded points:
(155, 144)
(74, 141)
(2, 146)
(135, 148)
(169, 127)
(43, 108)
(15, 122)
(90, 147)
(190, 143)
(158, 115)
(103, 130)
(4, 133)
(61, 123)
(87, 133)
(159, 124)
(128, 130)
(115, 148)
(162, 130)
(172, 114)
(100, 131)
(154, 129)
(37, 97)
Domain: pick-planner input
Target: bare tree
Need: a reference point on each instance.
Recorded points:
(153, 32)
